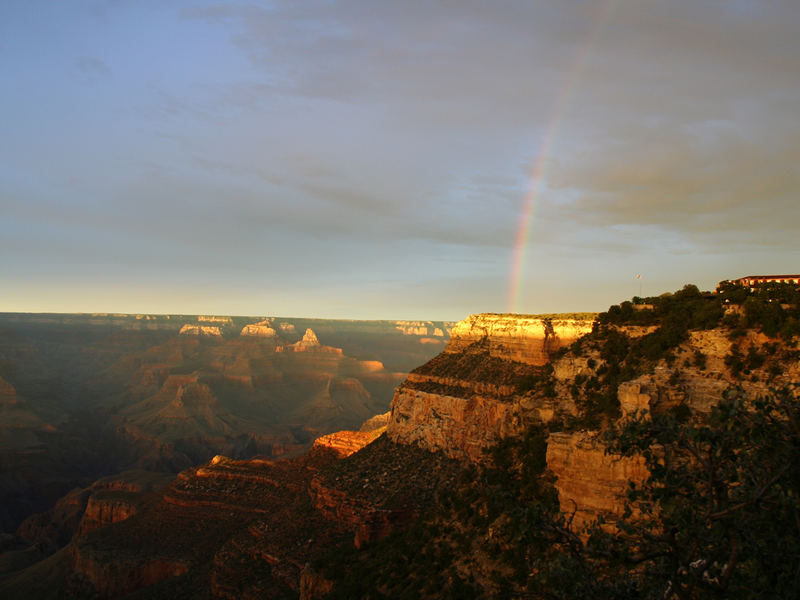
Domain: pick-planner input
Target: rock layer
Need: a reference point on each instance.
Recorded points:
(591, 483)
(261, 329)
(200, 330)
(345, 443)
(530, 340)
(475, 393)
(460, 427)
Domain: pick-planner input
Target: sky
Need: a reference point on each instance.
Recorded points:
(393, 160)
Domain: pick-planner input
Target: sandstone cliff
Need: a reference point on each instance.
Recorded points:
(310, 343)
(345, 443)
(484, 385)
(499, 375)
(215, 319)
(424, 328)
(530, 340)
(200, 330)
(261, 329)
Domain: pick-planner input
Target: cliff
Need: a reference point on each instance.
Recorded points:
(484, 386)
(261, 329)
(310, 343)
(250, 528)
(501, 375)
(82, 510)
(591, 482)
(496, 454)
(345, 443)
(530, 340)
(201, 330)
(424, 328)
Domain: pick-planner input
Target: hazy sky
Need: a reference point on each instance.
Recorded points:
(374, 159)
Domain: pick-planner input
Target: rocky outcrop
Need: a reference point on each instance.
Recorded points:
(470, 386)
(345, 443)
(120, 575)
(368, 522)
(460, 427)
(480, 389)
(414, 327)
(424, 328)
(215, 319)
(226, 520)
(309, 340)
(476, 392)
(200, 330)
(286, 327)
(108, 500)
(382, 487)
(377, 422)
(310, 343)
(530, 340)
(261, 329)
(107, 507)
(590, 481)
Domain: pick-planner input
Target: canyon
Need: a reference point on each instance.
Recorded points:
(84, 396)
(513, 406)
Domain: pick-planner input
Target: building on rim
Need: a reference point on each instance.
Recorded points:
(752, 281)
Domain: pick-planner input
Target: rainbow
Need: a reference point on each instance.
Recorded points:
(538, 174)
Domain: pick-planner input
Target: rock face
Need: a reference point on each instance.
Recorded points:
(368, 522)
(260, 329)
(224, 520)
(286, 327)
(477, 391)
(423, 328)
(200, 330)
(591, 482)
(345, 443)
(376, 422)
(251, 528)
(309, 339)
(108, 500)
(473, 393)
(460, 427)
(529, 340)
(309, 343)
(107, 507)
(383, 486)
(215, 319)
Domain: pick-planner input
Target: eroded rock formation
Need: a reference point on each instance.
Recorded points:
(310, 343)
(345, 443)
(476, 391)
(591, 482)
(261, 329)
(479, 391)
(201, 330)
(530, 340)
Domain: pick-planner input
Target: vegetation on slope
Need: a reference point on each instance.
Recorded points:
(719, 517)
(616, 357)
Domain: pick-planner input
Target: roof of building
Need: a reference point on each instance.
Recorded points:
(769, 277)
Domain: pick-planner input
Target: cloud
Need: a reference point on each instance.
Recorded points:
(351, 138)
(91, 69)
